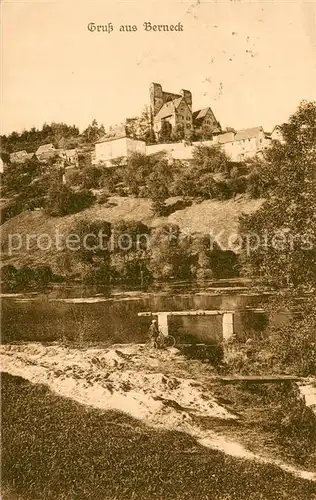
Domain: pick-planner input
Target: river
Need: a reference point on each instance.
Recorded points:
(96, 314)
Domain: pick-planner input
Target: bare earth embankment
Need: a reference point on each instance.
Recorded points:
(208, 216)
(158, 392)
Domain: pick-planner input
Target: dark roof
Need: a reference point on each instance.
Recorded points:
(108, 138)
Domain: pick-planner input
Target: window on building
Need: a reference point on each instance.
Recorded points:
(188, 125)
(188, 118)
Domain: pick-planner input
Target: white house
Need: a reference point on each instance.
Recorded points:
(70, 155)
(276, 134)
(118, 147)
(245, 143)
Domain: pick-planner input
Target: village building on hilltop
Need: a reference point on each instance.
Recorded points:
(168, 111)
(21, 156)
(176, 110)
(242, 144)
(45, 152)
(204, 122)
(117, 146)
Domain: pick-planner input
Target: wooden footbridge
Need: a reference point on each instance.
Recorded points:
(228, 333)
(162, 318)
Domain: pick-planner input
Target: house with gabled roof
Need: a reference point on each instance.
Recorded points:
(276, 134)
(244, 143)
(116, 146)
(176, 113)
(45, 152)
(18, 156)
(176, 109)
(204, 122)
(69, 155)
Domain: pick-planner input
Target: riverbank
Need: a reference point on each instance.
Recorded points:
(166, 391)
(207, 217)
(57, 449)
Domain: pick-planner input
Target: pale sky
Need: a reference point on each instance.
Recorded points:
(252, 62)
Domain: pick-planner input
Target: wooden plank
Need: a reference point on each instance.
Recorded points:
(258, 379)
(186, 313)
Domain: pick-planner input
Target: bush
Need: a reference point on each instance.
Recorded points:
(98, 275)
(91, 177)
(21, 278)
(292, 422)
(288, 348)
(294, 345)
(61, 200)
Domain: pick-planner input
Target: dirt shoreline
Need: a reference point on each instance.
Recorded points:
(163, 389)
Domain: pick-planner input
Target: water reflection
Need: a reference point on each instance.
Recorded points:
(97, 314)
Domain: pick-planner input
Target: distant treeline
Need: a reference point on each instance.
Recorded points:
(59, 134)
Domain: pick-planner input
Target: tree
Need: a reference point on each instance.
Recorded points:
(30, 140)
(170, 253)
(165, 131)
(210, 159)
(260, 177)
(158, 184)
(136, 172)
(91, 177)
(131, 252)
(93, 132)
(58, 200)
(110, 178)
(94, 238)
(293, 344)
(140, 127)
(184, 182)
(286, 223)
(20, 175)
(178, 133)
(61, 200)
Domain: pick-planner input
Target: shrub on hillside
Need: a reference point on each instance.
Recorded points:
(90, 177)
(21, 278)
(294, 344)
(286, 348)
(61, 200)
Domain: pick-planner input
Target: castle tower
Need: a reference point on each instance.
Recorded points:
(156, 98)
(187, 95)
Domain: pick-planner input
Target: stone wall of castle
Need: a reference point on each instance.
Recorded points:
(158, 97)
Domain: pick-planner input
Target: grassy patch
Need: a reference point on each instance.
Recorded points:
(55, 448)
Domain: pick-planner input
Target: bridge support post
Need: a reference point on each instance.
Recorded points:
(228, 325)
(163, 323)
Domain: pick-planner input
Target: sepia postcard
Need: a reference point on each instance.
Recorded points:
(158, 250)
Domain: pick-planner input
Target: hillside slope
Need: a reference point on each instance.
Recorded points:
(209, 216)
